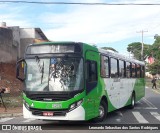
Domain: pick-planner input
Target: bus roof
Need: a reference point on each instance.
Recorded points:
(55, 42)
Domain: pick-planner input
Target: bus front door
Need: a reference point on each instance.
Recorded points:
(91, 84)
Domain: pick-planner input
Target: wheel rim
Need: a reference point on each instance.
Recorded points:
(133, 102)
(101, 111)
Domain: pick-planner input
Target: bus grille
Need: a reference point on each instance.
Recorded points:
(43, 97)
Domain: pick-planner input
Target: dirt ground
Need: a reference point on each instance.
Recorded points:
(8, 78)
(11, 110)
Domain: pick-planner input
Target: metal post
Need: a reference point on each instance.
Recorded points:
(142, 49)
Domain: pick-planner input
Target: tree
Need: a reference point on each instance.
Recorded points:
(154, 68)
(135, 49)
(109, 48)
(155, 49)
(154, 52)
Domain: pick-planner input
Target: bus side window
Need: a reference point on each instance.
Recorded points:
(142, 71)
(104, 66)
(114, 68)
(138, 71)
(91, 73)
(121, 69)
(128, 69)
(134, 74)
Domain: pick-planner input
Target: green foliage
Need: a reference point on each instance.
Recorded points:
(155, 49)
(154, 68)
(155, 52)
(109, 48)
(149, 50)
(135, 49)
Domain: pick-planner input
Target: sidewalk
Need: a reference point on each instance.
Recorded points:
(11, 112)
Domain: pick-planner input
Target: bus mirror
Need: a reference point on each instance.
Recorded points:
(20, 70)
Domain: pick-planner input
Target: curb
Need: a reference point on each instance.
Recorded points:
(4, 115)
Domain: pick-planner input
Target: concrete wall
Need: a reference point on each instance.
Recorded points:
(8, 52)
(16, 38)
(27, 33)
(24, 43)
(27, 36)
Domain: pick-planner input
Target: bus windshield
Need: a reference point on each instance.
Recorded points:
(54, 74)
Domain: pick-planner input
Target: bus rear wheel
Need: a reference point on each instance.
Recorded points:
(131, 106)
(102, 112)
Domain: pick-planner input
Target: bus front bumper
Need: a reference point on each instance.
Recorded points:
(76, 114)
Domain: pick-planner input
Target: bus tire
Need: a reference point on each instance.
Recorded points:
(131, 106)
(103, 109)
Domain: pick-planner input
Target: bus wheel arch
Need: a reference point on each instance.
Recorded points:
(105, 100)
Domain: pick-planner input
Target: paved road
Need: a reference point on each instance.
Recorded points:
(146, 111)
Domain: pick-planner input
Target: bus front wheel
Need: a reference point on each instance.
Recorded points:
(102, 112)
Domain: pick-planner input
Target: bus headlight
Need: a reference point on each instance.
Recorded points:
(75, 105)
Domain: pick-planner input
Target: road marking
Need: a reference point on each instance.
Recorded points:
(119, 113)
(5, 119)
(144, 108)
(156, 115)
(118, 120)
(139, 102)
(139, 117)
(28, 120)
(149, 103)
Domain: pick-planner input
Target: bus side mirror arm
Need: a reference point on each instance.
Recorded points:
(18, 69)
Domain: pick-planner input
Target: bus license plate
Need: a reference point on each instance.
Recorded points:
(48, 113)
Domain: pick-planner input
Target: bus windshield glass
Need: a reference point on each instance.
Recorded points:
(54, 74)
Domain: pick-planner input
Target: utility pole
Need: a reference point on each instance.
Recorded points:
(142, 32)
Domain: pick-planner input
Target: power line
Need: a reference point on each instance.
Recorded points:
(76, 3)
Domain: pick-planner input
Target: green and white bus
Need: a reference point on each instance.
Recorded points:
(77, 81)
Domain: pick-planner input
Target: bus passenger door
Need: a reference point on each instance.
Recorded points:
(91, 84)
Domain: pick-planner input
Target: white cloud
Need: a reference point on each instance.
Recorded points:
(101, 24)
(92, 24)
(14, 16)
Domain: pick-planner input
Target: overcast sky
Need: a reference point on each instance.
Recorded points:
(114, 26)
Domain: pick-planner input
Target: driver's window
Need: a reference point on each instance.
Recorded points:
(92, 71)
(92, 76)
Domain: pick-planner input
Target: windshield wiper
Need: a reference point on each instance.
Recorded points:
(41, 68)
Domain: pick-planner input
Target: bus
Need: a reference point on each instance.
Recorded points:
(76, 81)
